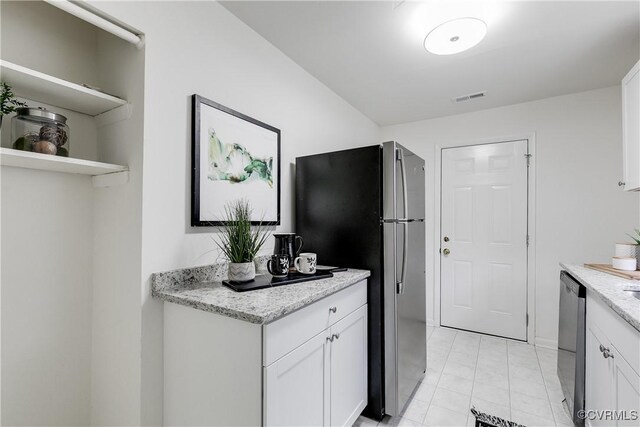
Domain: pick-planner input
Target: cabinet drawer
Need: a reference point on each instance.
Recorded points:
(289, 332)
(621, 334)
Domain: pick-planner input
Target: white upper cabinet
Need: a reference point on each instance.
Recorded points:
(631, 129)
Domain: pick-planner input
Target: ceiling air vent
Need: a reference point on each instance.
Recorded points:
(471, 96)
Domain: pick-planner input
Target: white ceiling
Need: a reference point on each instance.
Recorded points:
(372, 55)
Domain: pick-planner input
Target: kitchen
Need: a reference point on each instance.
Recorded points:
(103, 337)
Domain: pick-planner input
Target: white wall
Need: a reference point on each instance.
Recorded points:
(199, 47)
(580, 213)
(117, 248)
(46, 297)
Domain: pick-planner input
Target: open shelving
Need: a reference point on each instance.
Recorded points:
(51, 90)
(32, 84)
(29, 160)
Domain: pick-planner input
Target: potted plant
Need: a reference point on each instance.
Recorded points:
(240, 242)
(8, 101)
(636, 239)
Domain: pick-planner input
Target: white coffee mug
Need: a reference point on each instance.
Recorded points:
(306, 263)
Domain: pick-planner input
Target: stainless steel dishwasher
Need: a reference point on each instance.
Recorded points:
(571, 344)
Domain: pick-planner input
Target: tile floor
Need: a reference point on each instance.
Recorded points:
(506, 378)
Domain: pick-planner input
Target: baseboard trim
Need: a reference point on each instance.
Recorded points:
(546, 343)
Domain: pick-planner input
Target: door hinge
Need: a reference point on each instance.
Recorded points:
(527, 240)
(528, 157)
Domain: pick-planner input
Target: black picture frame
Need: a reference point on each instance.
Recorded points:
(196, 162)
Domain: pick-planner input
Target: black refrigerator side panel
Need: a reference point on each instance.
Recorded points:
(338, 212)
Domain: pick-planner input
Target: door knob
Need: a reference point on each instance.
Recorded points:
(446, 238)
(446, 251)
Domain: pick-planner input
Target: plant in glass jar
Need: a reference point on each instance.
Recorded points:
(8, 101)
(239, 241)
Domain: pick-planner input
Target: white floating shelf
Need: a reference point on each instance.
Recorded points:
(46, 162)
(51, 90)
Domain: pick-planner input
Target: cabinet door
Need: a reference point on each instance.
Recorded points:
(626, 394)
(296, 391)
(631, 128)
(599, 375)
(349, 368)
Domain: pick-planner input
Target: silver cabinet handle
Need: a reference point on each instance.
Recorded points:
(333, 309)
(606, 353)
(621, 184)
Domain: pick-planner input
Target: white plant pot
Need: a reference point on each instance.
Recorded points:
(242, 271)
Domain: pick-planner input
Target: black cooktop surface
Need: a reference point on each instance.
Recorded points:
(268, 281)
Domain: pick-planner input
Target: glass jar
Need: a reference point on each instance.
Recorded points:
(41, 131)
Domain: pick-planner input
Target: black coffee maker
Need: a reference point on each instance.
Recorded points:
(287, 244)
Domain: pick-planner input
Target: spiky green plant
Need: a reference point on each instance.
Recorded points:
(238, 240)
(8, 101)
(635, 238)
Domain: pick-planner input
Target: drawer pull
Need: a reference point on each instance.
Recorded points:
(333, 309)
(606, 353)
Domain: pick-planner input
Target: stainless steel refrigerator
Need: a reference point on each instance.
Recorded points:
(364, 208)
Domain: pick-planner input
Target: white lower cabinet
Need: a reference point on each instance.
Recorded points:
(348, 368)
(295, 392)
(599, 375)
(323, 382)
(612, 383)
(308, 368)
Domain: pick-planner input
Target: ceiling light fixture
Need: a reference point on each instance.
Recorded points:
(455, 36)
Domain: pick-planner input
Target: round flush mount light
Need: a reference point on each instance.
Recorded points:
(455, 36)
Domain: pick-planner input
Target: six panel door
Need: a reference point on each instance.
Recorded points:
(484, 239)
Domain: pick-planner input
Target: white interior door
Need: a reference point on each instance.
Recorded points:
(483, 260)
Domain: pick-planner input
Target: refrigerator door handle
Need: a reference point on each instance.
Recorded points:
(404, 222)
(399, 220)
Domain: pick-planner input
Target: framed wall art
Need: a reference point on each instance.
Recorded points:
(233, 157)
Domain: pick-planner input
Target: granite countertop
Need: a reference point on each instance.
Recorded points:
(201, 288)
(610, 289)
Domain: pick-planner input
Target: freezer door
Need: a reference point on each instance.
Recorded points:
(404, 249)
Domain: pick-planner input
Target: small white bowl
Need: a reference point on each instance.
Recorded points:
(624, 263)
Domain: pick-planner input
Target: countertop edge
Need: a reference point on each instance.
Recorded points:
(173, 296)
(630, 318)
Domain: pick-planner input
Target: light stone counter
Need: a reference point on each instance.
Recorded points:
(201, 288)
(610, 289)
